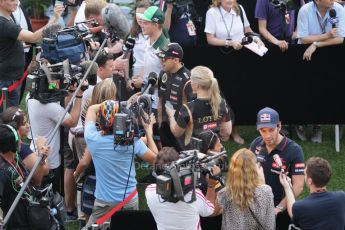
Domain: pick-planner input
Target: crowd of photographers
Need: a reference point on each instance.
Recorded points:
(103, 91)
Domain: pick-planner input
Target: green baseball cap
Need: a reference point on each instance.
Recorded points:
(153, 14)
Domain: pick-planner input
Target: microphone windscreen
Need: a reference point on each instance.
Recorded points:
(332, 13)
(51, 30)
(115, 20)
(92, 77)
(152, 78)
(130, 42)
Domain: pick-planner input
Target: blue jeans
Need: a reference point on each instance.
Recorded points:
(13, 97)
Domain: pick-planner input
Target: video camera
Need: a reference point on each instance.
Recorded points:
(183, 175)
(284, 5)
(126, 120)
(50, 83)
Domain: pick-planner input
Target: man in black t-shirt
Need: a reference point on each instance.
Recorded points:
(321, 209)
(266, 146)
(174, 89)
(12, 60)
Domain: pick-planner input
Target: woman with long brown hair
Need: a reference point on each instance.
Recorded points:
(246, 202)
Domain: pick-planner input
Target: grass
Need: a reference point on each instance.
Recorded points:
(325, 150)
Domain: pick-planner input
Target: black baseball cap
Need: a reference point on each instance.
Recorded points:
(172, 50)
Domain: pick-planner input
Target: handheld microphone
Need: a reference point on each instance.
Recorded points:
(92, 77)
(144, 102)
(279, 162)
(333, 18)
(129, 44)
(151, 81)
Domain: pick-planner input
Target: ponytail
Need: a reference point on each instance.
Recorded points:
(215, 97)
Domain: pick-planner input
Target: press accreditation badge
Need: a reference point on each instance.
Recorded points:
(191, 28)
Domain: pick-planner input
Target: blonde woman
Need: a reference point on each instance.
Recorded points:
(246, 202)
(104, 90)
(226, 24)
(208, 111)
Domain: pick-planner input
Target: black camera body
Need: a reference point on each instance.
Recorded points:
(50, 83)
(183, 175)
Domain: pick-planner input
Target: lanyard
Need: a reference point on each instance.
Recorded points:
(322, 25)
(226, 27)
(18, 171)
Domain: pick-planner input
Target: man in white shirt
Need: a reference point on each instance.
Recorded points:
(178, 215)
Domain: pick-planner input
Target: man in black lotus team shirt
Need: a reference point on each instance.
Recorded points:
(270, 143)
(174, 88)
(12, 36)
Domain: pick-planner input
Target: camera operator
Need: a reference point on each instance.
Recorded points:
(321, 209)
(109, 160)
(43, 118)
(173, 87)
(12, 37)
(270, 146)
(179, 215)
(13, 174)
(207, 111)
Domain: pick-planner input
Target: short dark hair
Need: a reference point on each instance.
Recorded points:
(164, 157)
(103, 58)
(319, 170)
(209, 139)
(7, 140)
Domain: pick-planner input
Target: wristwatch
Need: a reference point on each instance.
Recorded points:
(316, 44)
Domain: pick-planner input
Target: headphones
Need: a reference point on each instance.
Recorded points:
(16, 137)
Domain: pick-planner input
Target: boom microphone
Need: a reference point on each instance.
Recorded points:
(333, 18)
(151, 81)
(92, 77)
(279, 162)
(115, 20)
(129, 44)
